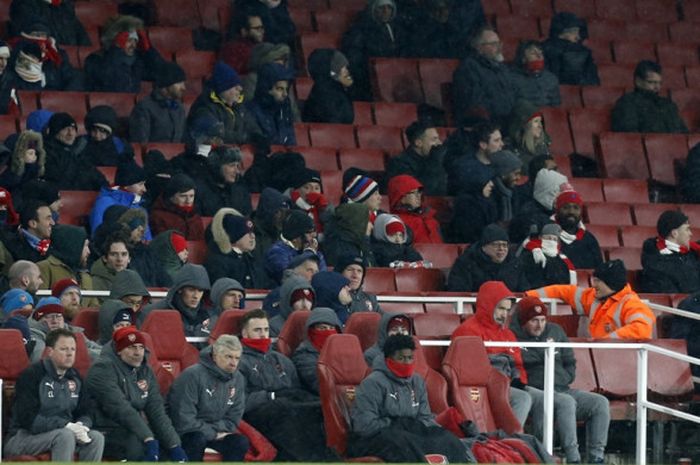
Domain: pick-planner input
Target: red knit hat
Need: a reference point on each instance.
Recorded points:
(128, 336)
(178, 242)
(529, 308)
(394, 226)
(47, 309)
(299, 294)
(568, 197)
(63, 285)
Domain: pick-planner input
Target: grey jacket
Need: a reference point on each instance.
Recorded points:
(108, 310)
(364, 302)
(155, 119)
(383, 396)
(129, 399)
(39, 330)
(207, 399)
(540, 89)
(378, 348)
(305, 358)
(291, 284)
(266, 373)
(222, 286)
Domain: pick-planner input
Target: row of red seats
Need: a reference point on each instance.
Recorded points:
(627, 10)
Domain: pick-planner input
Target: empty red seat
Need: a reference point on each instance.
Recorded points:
(11, 366)
(634, 236)
(312, 41)
(580, 9)
(436, 325)
(674, 54)
(292, 332)
(623, 190)
(591, 189)
(403, 307)
(585, 372)
(363, 113)
(519, 27)
(616, 75)
(168, 40)
(197, 252)
(647, 214)
(169, 149)
(497, 7)
(608, 213)
(585, 123)
(386, 138)
(569, 323)
(606, 28)
(621, 9)
(686, 98)
(173, 350)
(122, 103)
(606, 234)
(76, 206)
(109, 172)
(601, 49)
(631, 256)
(319, 158)
(601, 97)
(73, 55)
(229, 322)
(662, 151)
(196, 63)
(564, 165)
(310, 4)
(647, 31)
(177, 13)
(364, 325)
(670, 378)
(557, 124)
(570, 96)
(379, 280)
(8, 125)
(683, 31)
(332, 135)
(301, 17)
(632, 51)
(215, 14)
(28, 101)
(301, 132)
(334, 20)
(433, 74)
(332, 185)
(419, 279)
(74, 103)
(674, 77)
(622, 156)
(656, 10)
(395, 80)
(395, 114)
(440, 255)
(302, 87)
(95, 13)
(531, 7)
(366, 159)
(435, 383)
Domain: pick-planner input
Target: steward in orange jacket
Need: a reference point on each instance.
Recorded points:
(614, 309)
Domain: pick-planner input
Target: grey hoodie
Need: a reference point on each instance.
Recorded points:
(383, 397)
(305, 358)
(39, 330)
(293, 283)
(378, 348)
(207, 399)
(108, 310)
(127, 282)
(222, 286)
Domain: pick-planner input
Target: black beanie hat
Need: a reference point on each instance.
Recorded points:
(58, 122)
(222, 155)
(38, 189)
(346, 260)
(236, 227)
(296, 225)
(129, 173)
(102, 116)
(670, 220)
(612, 273)
(493, 233)
(169, 73)
(177, 184)
(305, 175)
(123, 314)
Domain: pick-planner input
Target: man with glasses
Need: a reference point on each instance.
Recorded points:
(644, 109)
(489, 259)
(249, 31)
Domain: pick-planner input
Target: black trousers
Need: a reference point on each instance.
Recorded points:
(232, 447)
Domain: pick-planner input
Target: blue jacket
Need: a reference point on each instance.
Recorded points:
(327, 285)
(280, 255)
(109, 197)
(275, 119)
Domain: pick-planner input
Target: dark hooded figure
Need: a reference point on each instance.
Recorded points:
(321, 324)
(223, 187)
(348, 234)
(268, 218)
(389, 325)
(474, 208)
(64, 25)
(329, 101)
(354, 268)
(333, 291)
(533, 82)
(103, 147)
(564, 52)
(271, 106)
(295, 294)
(26, 160)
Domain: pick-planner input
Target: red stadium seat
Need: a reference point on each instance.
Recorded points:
(433, 74)
(674, 77)
(686, 99)
(301, 17)
(171, 347)
(670, 378)
(364, 325)
(319, 158)
(591, 189)
(616, 75)
(674, 54)
(76, 206)
(334, 20)
(683, 31)
(11, 367)
(302, 87)
(301, 131)
(95, 13)
(497, 8)
(476, 389)
(332, 135)
(436, 325)
(197, 252)
(196, 63)
(580, 9)
(386, 138)
(519, 27)
(177, 13)
(585, 123)
(292, 333)
(311, 41)
(379, 280)
(442, 307)
(631, 256)
(647, 31)
(570, 96)
(332, 185)
(109, 172)
(122, 103)
(8, 125)
(621, 9)
(395, 114)
(662, 151)
(395, 80)
(28, 101)
(419, 279)
(634, 236)
(164, 374)
(617, 371)
(169, 149)
(210, 12)
(74, 103)
(541, 8)
(440, 255)
(229, 322)
(601, 97)
(168, 40)
(557, 124)
(647, 214)
(614, 214)
(601, 49)
(632, 52)
(366, 159)
(621, 155)
(403, 307)
(310, 4)
(73, 55)
(585, 372)
(435, 383)
(656, 10)
(606, 28)
(623, 190)
(606, 234)
(569, 323)
(443, 206)
(564, 165)
(352, 5)
(363, 113)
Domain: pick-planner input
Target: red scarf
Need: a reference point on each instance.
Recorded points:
(43, 246)
(533, 244)
(186, 209)
(318, 337)
(667, 248)
(261, 345)
(48, 47)
(402, 370)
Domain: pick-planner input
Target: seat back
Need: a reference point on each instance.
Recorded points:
(229, 322)
(435, 383)
(617, 371)
(76, 206)
(477, 390)
(164, 375)
(88, 319)
(439, 325)
(292, 333)
(379, 280)
(569, 323)
(197, 252)
(10, 368)
(341, 368)
(668, 377)
(364, 325)
(169, 343)
(423, 279)
(585, 371)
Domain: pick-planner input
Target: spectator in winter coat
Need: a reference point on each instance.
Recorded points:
(564, 52)
(354, 268)
(508, 168)
(59, 16)
(542, 261)
(103, 148)
(169, 251)
(69, 293)
(690, 188)
(406, 201)
(33, 237)
(465, 171)
(305, 266)
(423, 159)
(264, 53)
(489, 259)
(115, 258)
(175, 209)
(230, 250)
(26, 160)
(207, 402)
(493, 304)
(533, 82)
(348, 233)
(685, 328)
(391, 241)
(529, 324)
(526, 132)
(437, 34)
(307, 195)
(474, 208)
(129, 290)
(247, 30)
(644, 109)
(333, 291)
(329, 101)
(268, 218)
(160, 117)
(295, 295)
(203, 133)
(227, 294)
(222, 100)
(130, 409)
(363, 189)
(321, 324)
(67, 168)
(577, 243)
(271, 106)
(279, 27)
(223, 186)
(402, 429)
(670, 261)
(390, 325)
(125, 58)
(52, 411)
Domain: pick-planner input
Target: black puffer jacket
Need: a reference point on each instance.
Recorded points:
(473, 268)
(571, 62)
(328, 101)
(68, 169)
(674, 273)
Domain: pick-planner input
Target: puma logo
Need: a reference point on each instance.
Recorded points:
(394, 395)
(210, 392)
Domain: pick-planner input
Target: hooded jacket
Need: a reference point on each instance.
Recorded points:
(196, 321)
(206, 399)
(266, 233)
(157, 119)
(275, 119)
(102, 275)
(110, 196)
(541, 88)
(128, 399)
(428, 170)
(377, 350)
(484, 326)
(165, 215)
(386, 252)
(67, 168)
(108, 311)
(328, 285)
(223, 261)
(291, 284)
(214, 193)
(126, 282)
(263, 53)
(347, 234)
(328, 101)
(161, 249)
(533, 357)
(266, 373)
(472, 212)
(19, 172)
(422, 221)
(523, 111)
(305, 357)
(220, 287)
(473, 268)
(571, 62)
(383, 398)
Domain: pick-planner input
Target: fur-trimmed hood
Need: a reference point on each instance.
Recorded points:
(218, 233)
(26, 138)
(114, 26)
(132, 214)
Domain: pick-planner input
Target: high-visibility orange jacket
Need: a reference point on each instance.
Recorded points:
(620, 316)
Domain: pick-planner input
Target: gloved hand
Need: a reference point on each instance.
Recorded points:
(517, 383)
(317, 199)
(80, 431)
(152, 451)
(144, 43)
(177, 454)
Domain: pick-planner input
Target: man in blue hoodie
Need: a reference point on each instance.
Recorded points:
(333, 291)
(271, 106)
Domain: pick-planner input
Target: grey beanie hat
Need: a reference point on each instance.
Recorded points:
(338, 62)
(551, 229)
(505, 162)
